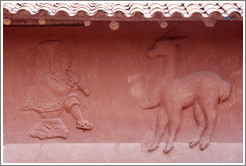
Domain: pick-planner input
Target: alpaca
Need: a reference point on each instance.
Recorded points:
(203, 89)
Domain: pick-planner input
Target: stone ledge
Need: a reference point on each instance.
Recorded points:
(120, 153)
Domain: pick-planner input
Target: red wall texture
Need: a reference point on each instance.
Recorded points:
(119, 76)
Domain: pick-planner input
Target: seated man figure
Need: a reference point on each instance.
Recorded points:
(56, 90)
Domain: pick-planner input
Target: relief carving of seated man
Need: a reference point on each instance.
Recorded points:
(57, 89)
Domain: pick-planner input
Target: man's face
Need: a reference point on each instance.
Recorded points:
(65, 62)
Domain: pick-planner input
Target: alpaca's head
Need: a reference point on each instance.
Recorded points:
(164, 47)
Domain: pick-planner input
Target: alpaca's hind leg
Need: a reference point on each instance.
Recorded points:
(174, 125)
(201, 121)
(161, 124)
(210, 112)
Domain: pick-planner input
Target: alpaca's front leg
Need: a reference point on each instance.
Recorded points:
(161, 124)
(174, 122)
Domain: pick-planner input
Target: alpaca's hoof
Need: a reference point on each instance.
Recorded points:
(167, 149)
(203, 146)
(193, 143)
(153, 147)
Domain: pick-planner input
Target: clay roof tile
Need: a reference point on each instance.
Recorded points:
(147, 10)
(239, 5)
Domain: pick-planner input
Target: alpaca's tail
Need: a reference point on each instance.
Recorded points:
(225, 91)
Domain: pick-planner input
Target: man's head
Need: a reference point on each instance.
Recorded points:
(49, 53)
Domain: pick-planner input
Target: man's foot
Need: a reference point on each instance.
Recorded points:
(85, 125)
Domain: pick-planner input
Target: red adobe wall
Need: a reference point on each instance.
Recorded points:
(113, 65)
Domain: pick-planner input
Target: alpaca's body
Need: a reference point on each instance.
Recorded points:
(203, 89)
(182, 92)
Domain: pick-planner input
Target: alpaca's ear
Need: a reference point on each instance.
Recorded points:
(170, 33)
(180, 40)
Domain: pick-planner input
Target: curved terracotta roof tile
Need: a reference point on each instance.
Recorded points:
(156, 10)
(82, 8)
(204, 5)
(173, 5)
(174, 10)
(239, 5)
(229, 11)
(155, 5)
(210, 6)
(128, 9)
(194, 10)
(211, 10)
(118, 8)
(192, 7)
(227, 7)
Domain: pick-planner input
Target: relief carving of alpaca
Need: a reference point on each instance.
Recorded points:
(203, 89)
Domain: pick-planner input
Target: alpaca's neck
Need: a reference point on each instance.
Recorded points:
(170, 66)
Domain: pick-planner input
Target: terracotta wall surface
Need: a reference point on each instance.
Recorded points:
(119, 76)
